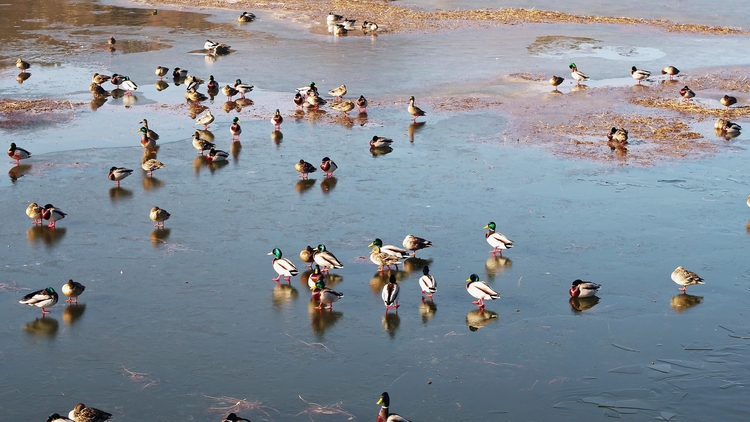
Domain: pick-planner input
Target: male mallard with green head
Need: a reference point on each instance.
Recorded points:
(577, 74)
(282, 266)
(497, 240)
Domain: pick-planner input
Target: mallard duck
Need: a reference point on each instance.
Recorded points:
(193, 95)
(686, 93)
(229, 92)
(111, 41)
(178, 73)
(582, 288)
(345, 106)
(480, 290)
(369, 26)
(17, 153)
(205, 120)
(326, 295)
(576, 74)
(201, 144)
(159, 216)
(727, 126)
(116, 80)
(362, 104)
(390, 292)
(151, 134)
(299, 100)
(339, 30)
(390, 249)
(216, 155)
(242, 88)
(72, 290)
(671, 71)
(556, 81)
(161, 71)
(338, 92)
(282, 266)
(52, 214)
(232, 417)
(146, 142)
(497, 240)
(332, 17)
(194, 82)
(748, 202)
(639, 74)
(222, 49)
(385, 415)
(151, 164)
(55, 417)
(414, 110)
(348, 24)
(246, 17)
(315, 277)
(328, 166)
(81, 413)
(235, 129)
(306, 255)
(380, 142)
(277, 120)
(685, 278)
(618, 134)
(382, 259)
(45, 298)
(305, 168)
(427, 282)
(212, 84)
(34, 211)
(728, 101)
(325, 259)
(210, 45)
(99, 79)
(22, 65)
(304, 91)
(314, 100)
(414, 243)
(128, 85)
(118, 173)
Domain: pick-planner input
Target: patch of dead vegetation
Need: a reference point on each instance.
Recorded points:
(396, 18)
(16, 113)
(690, 107)
(527, 76)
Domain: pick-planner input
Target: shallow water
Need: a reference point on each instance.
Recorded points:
(174, 318)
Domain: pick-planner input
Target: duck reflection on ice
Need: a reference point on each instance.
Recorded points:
(379, 152)
(73, 312)
(277, 137)
(283, 293)
(159, 236)
(116, 193)
(480, 318)
(496, 265)
(44, 326)
(22, 77)
(161, 85)
(414, 128)
(414, 264)
(380, 279)
(683, 301)
(327, 184)
(391, 323)
(18, 171)
(580, 304)
(46, 235)
(320, 321)
(96, 103)
(304, 185)
(151, 183)
(427, 309)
